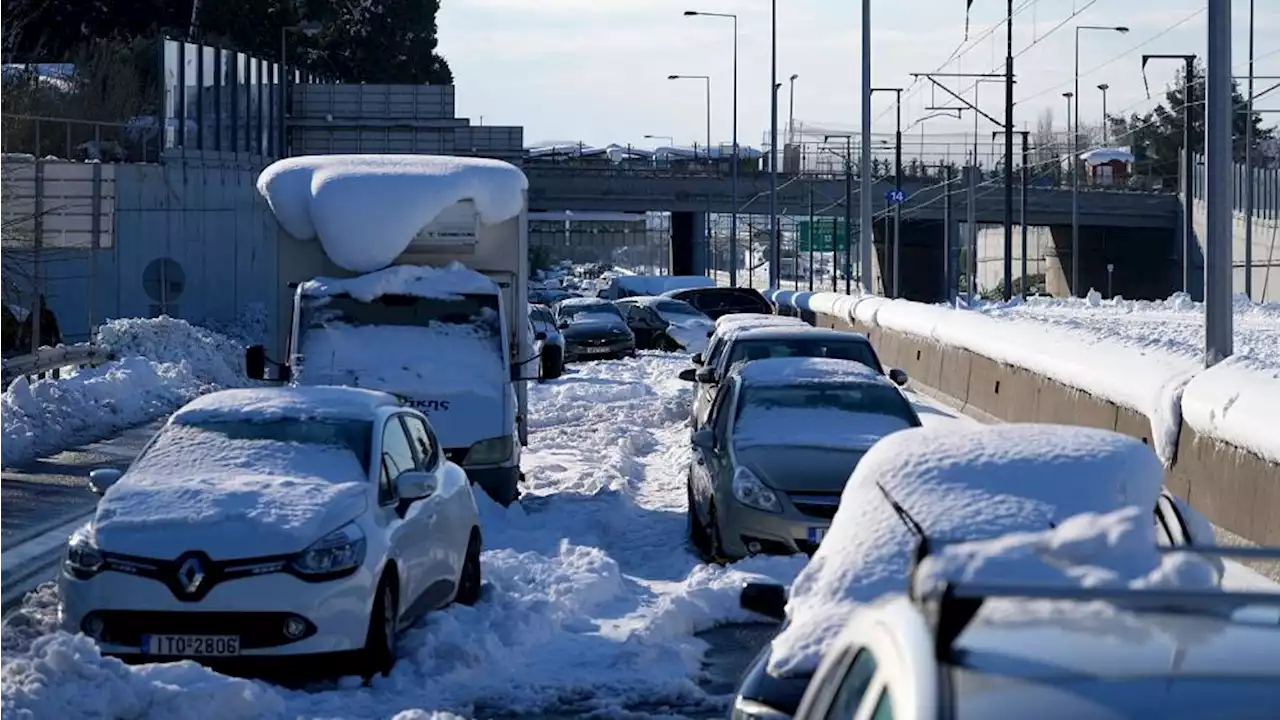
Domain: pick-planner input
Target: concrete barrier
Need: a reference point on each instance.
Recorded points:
(1235, 489)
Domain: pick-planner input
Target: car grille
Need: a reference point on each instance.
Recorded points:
(815, 505)
(599, 342)
(255, 629)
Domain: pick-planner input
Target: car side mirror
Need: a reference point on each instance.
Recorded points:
(768, 599)
(706, 376)
(415, 485)
(697, 357)
(101, 479)
(704, 439)
(539, 335)
(255, 362)
(562, 324)
(687, 374)
(898, 376)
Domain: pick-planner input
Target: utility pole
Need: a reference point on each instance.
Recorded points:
(1008, 154)
(775, 241)
(946, 229)
(971, 267)
(1022, 205)
(1188, 160)
(897, 186)
(1248, 171)
(1219, 119)
(864, 225)
(812, 236)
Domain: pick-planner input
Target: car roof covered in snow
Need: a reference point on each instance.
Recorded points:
(757, 318)
(318, 402)
(958, 483)
(788, 331)
(583, 302)
(805, 370)
(450, 281)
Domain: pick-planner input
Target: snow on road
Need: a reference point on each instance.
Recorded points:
(591, 604)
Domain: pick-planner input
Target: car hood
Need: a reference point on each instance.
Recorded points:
(800, 469)
(225, 515)
(595, 329)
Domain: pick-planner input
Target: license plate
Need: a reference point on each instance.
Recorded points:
(191, 645)
(816, 534)
(597, 350)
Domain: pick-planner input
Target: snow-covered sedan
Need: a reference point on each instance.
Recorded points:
(267, 524)
(661, 323)
(933, 486)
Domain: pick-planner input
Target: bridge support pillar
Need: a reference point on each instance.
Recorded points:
(688, 243)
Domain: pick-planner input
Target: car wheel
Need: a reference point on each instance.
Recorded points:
(715, 545)
(698, 538)
(380, 645)
(469, 582)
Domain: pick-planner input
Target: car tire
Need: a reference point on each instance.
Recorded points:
(552, 362)
(378, 655)
(698, 538)
(715, 545)
(470, 580)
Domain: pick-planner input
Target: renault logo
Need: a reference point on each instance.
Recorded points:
(190, 575)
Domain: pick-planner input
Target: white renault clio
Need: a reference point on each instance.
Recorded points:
(269, 523)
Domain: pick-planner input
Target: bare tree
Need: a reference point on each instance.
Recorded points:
(1045, 139)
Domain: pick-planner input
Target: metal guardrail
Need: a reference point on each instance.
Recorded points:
(47, 360)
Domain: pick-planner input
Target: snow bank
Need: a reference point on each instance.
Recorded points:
(366, 209)
(1237, 401)
(1087, 550)
(959, 483)
(163, 363)
(446, 283)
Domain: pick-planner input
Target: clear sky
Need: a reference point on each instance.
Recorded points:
(596, 71)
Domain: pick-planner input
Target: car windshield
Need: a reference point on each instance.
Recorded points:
(856, 350)
(677, 308)
(813, 398)
(542, 316)
(605, 312)
(353, 435)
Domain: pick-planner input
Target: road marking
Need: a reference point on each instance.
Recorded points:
(15, 559)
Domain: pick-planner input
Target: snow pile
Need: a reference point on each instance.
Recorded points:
(163, 363)
(367, 209)
(590, 602)
(1088, 550)
(958, 482)
(1237, 401)
(447, 282)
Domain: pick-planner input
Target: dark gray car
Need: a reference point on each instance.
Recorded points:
(593, 329)
(782, 438)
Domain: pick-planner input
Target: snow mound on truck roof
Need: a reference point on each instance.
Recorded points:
(366, 209)
(447, 282)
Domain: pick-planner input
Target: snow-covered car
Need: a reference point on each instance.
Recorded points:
(750, 343)
(946, 484)
(726, 325)
(664, 324)
(593, 329)
(551, 346)
(967, 643)
(264, 525)
(780, 442)
(717, 302)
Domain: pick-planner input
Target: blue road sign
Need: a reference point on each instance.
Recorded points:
(893, 197)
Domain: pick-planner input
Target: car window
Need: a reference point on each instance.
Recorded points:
(423, 442)
(852, 687)
(856, 350)
(720, 416)
(397, 457)
(884, 707)
(854, 399)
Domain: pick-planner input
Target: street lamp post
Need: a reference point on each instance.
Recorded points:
(897, 186)
(775, 241)
(1075, 227)
(310, 28)
(791, 111)
(1188, 159)
(1105, 119)
(733, 216)
(864, 245)
(1219, 119)
(670, 140)
(1075, 160)
(707, 80)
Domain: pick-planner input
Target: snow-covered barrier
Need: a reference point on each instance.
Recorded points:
(161, 364)
(1214, 429)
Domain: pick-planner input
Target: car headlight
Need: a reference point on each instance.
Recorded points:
(83, 560)
(334, 555)
(749, 491)
(489, 452)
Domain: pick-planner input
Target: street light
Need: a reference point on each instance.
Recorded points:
(733, 216)
(775, 239)
(309, 28)
(1105, 120)
(707, 79)
(1075, 151)
(791, 111)
(670, 140)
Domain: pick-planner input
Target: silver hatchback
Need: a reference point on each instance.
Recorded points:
(781, 440)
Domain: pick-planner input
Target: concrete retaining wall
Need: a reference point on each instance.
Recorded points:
(1237, 490)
